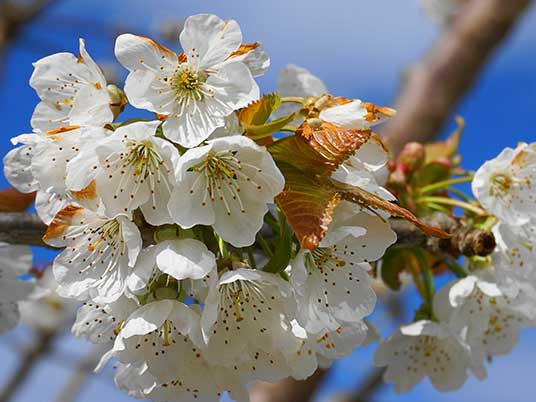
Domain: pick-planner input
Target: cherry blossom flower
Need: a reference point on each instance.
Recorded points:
(332, 281)
(424, 349)
(73, 91)
(196, 90)
(180, 259)
(489, 320)
(504, 185)
(134, 169)
(44, 309)
(40, 164)
(165, 336)
(99, 323)
(227, 184)
(14, 261)
(246, 324)
(100, 253)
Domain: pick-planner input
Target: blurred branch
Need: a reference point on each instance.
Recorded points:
(288, 390)
(43, 346)
(82, 372)
(437, 84)
(21, 228)
(13, 16)
(369, 386)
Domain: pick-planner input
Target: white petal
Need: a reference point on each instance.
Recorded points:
(207, 40)
(185, 259)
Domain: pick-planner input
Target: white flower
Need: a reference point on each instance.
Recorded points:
(295, 81)
(165, 335)
(41, 162)
(196, 90)
(489, 320)
(367, 169)
(423, 349)
(332, 281)
(14, 261)
(227, 184)
(515, 256)
(180, 259)
(135, 379)
(504, 186)
(356, 114)
(73, 91)
(247, 311)
(135, 169)
(298, 81)
(100, 323)
(44, 309)
(100, 252)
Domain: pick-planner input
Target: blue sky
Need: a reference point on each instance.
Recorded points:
(360, 49)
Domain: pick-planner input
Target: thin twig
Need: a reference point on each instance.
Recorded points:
(82, 372)
(435, 86)
(42, 347)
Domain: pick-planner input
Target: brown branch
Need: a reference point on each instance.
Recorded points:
(288, 390)
(435, 86)
(24, 228)
(13, 16)
(42, 347)
(21, 228)
(83, 371)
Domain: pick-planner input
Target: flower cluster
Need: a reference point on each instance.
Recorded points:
(203, 253)
(480, 314)
(236, 236)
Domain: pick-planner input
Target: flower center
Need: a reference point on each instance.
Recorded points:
(188, 82)
(500, 184)
(222, 172)
(323, 258)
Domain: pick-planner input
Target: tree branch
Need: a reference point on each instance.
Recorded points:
(13, 17)
(24, 228)
(42, 347)
(435, 86)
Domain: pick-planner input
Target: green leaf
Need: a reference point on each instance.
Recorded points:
(259, 132)
(430, 173)
(258, 112)
(283, 252)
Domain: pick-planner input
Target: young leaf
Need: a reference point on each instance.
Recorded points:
(445, 149)
(265, 130)
(258, 112)
(369, 200)
(318, 150)
(308, 204)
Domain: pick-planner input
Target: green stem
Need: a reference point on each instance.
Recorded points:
(264, 245)
(251, 258)
(223, 247)
(458, 193)
(453, 202)
(293, 99)
(446, 183)
(289, 129)
(456, 269)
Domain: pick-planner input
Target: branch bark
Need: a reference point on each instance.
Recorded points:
(437, 84)
(24, 228)
(42, 347)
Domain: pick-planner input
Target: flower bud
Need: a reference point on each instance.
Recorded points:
(118, 100)
(412, 156)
